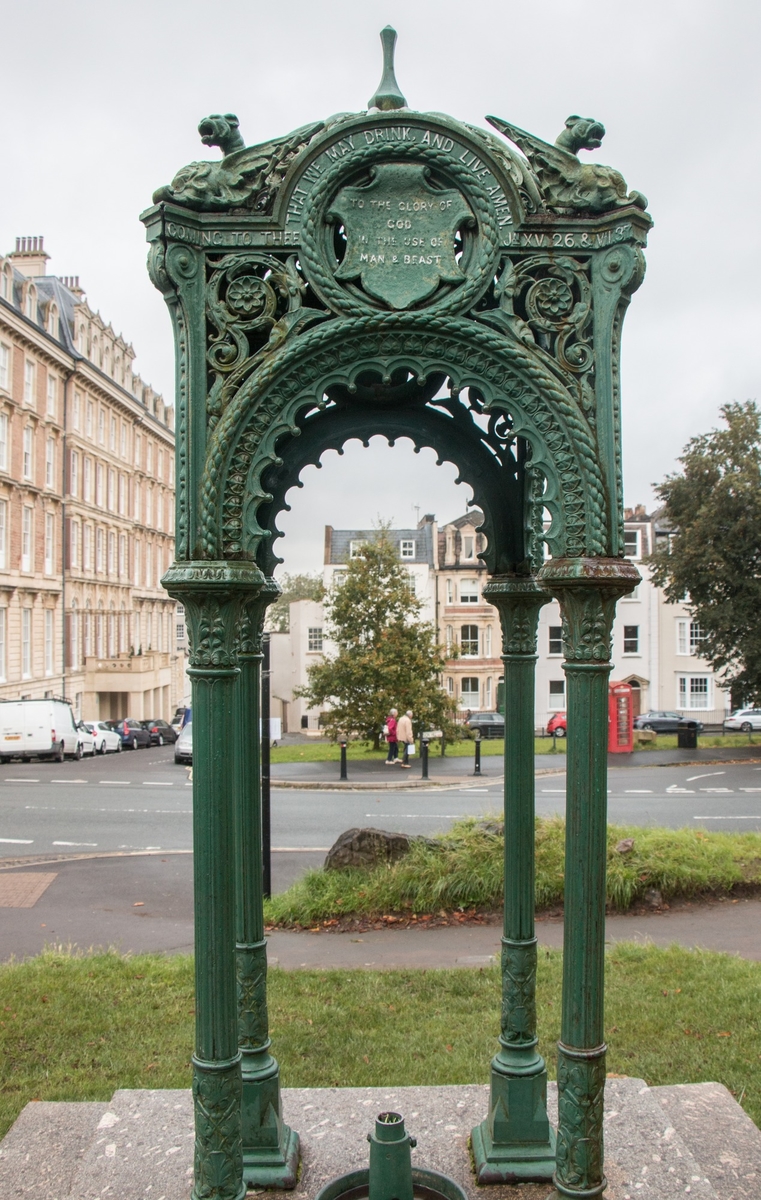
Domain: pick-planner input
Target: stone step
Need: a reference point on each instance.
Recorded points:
(660, 1143)
(43, 1151)
(721, 1137)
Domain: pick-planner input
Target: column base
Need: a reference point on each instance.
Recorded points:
(274, 1166)
(270, 1147)
(560, 1192)
(515, 1143)
(511, 1162)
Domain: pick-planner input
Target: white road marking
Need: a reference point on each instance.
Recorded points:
(679, 791)
(115, 782)
(638, 792)
(728, 817)
(474, 789)
(418, 816)
(708, 775)
(749, 789)
(722, 790)
(91, 844)
(553, 791)
(68, 781)
(25, 780)
(157, 783)
(18, 841)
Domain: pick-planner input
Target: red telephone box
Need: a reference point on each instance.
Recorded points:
(620, 719)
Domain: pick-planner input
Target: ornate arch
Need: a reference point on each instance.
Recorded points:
(510, 377)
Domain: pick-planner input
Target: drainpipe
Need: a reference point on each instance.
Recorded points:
(64, 481)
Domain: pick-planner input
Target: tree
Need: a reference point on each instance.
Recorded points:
(714, 557)
(293, 587)
(387, 658)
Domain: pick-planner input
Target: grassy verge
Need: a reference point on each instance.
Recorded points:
(463, 869)
(322, 751)
(78, 1028)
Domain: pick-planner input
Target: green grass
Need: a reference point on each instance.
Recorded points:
(77, 1028)
(324, 751)
(463, 869)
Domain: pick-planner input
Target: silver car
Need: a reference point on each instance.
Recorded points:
(183, 747)
(744, 719)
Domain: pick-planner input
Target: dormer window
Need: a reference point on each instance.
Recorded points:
(407, 549)
(356, 548)
(31, 302)
(6, 283)
(469, 546)
(53, 324)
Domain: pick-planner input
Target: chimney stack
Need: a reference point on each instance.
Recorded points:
(29, 257)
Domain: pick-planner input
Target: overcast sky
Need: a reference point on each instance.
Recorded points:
(102, 101)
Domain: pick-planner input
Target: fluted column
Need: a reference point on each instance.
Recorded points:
(270, 1148)
(587, 589)
(515, 1142)
(212, 595)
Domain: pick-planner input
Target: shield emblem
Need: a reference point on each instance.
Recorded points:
(400, 234)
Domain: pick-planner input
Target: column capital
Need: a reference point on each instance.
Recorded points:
(588, 589)
(251, 625)
(215, 595)
(518, 599)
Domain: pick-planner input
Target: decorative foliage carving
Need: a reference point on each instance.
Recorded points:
(518, 602)
(254, 301)
(248, 178)
(509, 376)
(581, 1095)
(546, 301)
(215, 596)
(567, 185)
(588, 590)
(253, 1021)
(218, 1149)
(518, 993)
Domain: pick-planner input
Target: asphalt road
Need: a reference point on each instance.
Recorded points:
(141, 801)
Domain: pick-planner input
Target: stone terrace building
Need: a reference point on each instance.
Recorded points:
(86, 506)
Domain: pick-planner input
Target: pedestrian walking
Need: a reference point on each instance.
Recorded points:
(389, 731)
(405, 737)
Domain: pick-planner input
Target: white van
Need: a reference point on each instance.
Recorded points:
(38, 727)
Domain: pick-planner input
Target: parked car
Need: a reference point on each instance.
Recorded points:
(85, 741)
(183, 747)
(664, 722)
(744, 719)
(106, 738)
(556, 726)
(131, 732)
(488, 724)
(160, 731)
(38, 728)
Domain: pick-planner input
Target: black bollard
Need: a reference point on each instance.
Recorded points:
(477, 770)
(343, 774)
(424, 758)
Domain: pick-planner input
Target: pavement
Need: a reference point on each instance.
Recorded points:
(144, 903)
(449, 770)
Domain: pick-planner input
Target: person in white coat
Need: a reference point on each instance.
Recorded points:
(405, 737)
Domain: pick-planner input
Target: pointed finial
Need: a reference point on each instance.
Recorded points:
(388, 96)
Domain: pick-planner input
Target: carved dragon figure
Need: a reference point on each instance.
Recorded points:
(222, 131)
(245, 177)
(567, 185)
